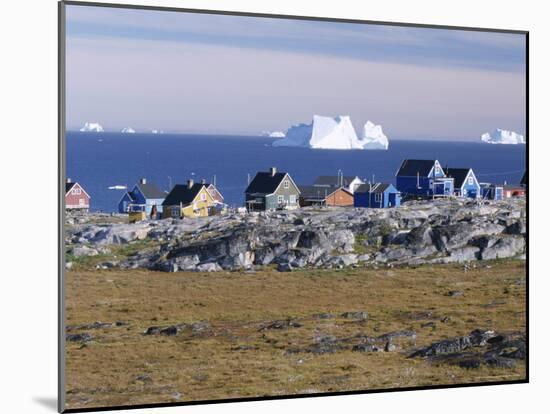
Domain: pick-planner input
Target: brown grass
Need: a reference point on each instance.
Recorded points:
(122, 366)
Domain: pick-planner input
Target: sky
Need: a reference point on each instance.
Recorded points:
(241, 75)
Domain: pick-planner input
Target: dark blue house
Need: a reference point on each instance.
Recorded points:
(378, 195)
(143, 197)
(465, 184)
(423, 178)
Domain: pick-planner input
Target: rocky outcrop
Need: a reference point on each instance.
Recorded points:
(436, 231)
(480, 347)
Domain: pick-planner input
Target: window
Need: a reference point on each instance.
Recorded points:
(286, 184)
(81, 201)
(175, 212)
(378, 197)
(203, 197)
(280, 199)
(77, 191)
(292, 199)
(470, 180)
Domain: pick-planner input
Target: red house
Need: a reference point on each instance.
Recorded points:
(76, 198)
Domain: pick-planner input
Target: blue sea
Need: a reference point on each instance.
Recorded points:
(100, 160)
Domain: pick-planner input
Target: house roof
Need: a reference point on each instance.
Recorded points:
(333, 180)
(181, 193)
(376, 188)
(265, 183)
(459, 174)
(410, 168)
(68, 187)
(150, 190)
(311, 192)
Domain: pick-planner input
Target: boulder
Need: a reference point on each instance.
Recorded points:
(503, 248)
(79, 251)
(209, 267)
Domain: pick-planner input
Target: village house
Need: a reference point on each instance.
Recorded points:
(378, 195)
(491, 191)
(143, 198)
(272, 190)
(349, 182)
(423, 178)
(465, 182)
(76, 198)
(510, 191)
(326, 196)
(188, 200)
(215, 193)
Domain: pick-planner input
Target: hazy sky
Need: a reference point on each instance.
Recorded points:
(186, 72)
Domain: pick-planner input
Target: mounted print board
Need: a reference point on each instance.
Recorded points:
(265, 206)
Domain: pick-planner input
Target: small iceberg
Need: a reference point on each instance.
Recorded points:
(91, 127)
(502, 136)
(118, 187)
(274, 134)
(128, 130)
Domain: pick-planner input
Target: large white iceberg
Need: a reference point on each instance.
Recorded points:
(373, 137)
(501, 136)
(128, 130)
(333, 133)
(91, 127)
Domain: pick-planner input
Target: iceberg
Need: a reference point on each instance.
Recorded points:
(128, 130)
(501, 136)
(333, 133)
(157, 131)
(91, 127)
(274, 134)
(373, 137)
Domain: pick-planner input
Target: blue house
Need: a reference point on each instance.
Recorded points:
(143, 197)
(379, 195)
(423, 178)
(491, 191)
(465, 184)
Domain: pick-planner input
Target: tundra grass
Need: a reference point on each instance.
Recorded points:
(236, 358)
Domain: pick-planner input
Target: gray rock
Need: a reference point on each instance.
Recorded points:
(366, 348)
(84, 250)
(503, 248)
(79, 337)
(284, 267)
(281, 324)
(209, 267)
(355, 315)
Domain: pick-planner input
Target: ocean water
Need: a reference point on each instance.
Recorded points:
(100, 160)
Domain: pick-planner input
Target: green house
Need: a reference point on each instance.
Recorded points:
(272, 190)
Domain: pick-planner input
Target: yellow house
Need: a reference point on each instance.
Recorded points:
(188, 200)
